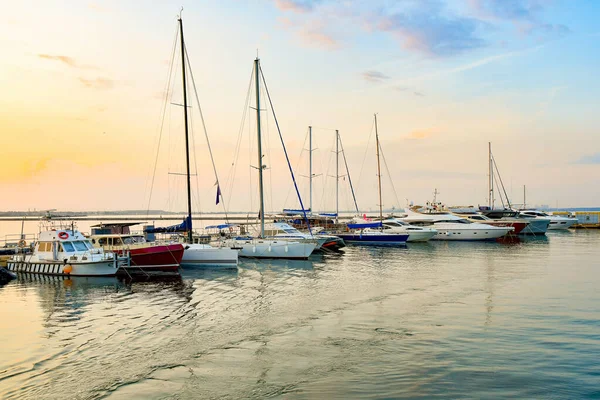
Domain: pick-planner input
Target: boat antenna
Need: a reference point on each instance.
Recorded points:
(378, 171)
(188, 225)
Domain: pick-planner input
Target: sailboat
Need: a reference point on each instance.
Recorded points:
(262, 246)
(537, 225)
(195, 254)
(373, 233)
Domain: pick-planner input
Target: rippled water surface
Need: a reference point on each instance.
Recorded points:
(440, 319)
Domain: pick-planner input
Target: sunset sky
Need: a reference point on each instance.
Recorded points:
(82, 88)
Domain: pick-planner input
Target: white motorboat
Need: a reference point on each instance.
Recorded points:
(452, 227)
(207, 255)
(556, 222)
(415, 233)
(283, 230)
(66, 252)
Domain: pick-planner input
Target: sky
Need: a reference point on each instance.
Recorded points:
(83, 87)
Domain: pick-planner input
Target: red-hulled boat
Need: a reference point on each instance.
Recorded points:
(145, 257)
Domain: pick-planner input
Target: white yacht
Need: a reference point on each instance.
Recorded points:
(452, 227)
(415, 233)
(556, 222)
(66, 252)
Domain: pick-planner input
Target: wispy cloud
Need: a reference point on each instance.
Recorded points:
(298, 6)
(421, 134)
(312, 33)
(525, 15)
(374, 76)
(589, 159)
(431, 29)
(97, 83)
(64, 59)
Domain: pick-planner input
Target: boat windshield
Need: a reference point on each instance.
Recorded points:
(80, 246)
(67, 247)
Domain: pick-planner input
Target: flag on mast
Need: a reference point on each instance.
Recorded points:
(218, 194)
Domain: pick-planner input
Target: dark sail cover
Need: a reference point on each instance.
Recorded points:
(185, 226)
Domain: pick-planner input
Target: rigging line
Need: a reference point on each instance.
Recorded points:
(348, 174)
(270, 160)
(297, 165)
(284, 150)
(232, 171)
(162, 119)
(501, 183)
(501, 198)
(365, 156)
(198, 203)
(205, 130)
(388, 172)
(327, 174)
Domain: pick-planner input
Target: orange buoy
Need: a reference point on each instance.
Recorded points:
(67, 269)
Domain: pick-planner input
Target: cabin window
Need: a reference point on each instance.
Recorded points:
(102, 241)
(89, 245)
(80, 246)
(67, 247)
(44, 246)
(117, 241)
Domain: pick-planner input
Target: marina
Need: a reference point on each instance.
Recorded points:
(299, 199)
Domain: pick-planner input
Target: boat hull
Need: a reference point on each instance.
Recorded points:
(98, 268)
(536, 227)
(421, 236)
(452, 233)
(200, 255)
(518, 225)
(366, 239)
(561, 223)
(257, 248)
(159, 258)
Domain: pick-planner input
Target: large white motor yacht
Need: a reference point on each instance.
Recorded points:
(452, 227)
(556, 222)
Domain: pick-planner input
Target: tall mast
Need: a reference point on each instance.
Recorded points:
(490, 177)
(348, 174)
(337, 175)
(524, 198)
(378, 170)
(187, 144)
(260, 163)
(310, 174)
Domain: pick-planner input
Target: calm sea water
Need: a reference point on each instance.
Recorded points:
(440, 319)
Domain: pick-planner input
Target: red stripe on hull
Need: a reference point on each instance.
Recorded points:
(156, 258)
(519, 226)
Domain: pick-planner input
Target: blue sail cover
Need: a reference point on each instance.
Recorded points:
(185, 226)
(365, 225)
(291, 211)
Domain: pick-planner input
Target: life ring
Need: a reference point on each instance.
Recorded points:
(22, 243)
(63, 235)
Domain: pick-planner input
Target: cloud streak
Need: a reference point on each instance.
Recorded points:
(63, 59)
(593, 159)
(374, 76)
(97, 83)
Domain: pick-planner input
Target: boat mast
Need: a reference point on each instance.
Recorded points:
(337, 175)
(524, 198)
(378, 171)
(348, 174)
(260, 164)
(310, 174)
(187, 145)
(490, 177)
